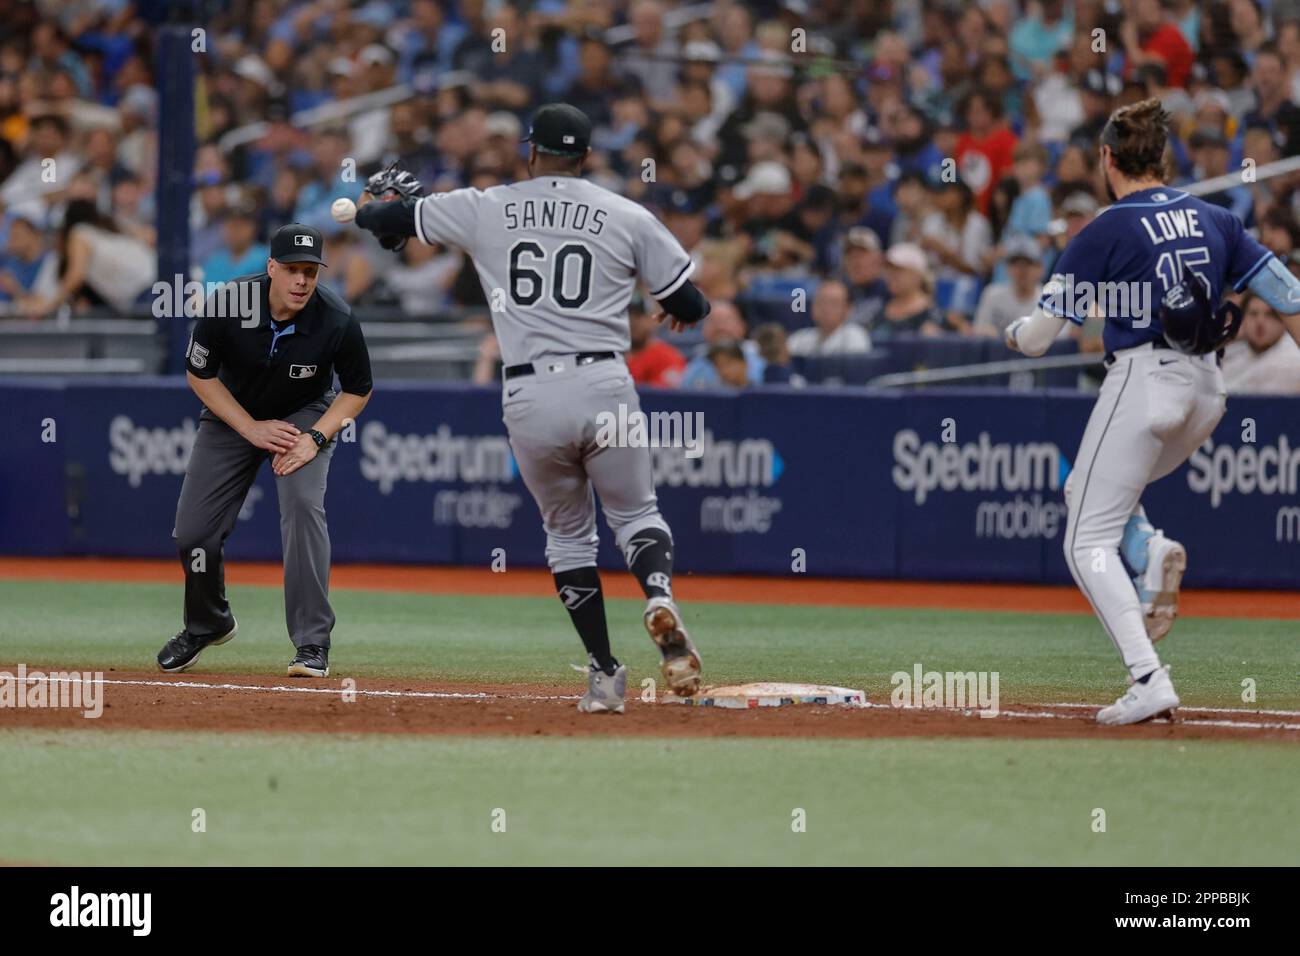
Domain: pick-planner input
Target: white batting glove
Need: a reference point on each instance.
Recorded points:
(1009, 336)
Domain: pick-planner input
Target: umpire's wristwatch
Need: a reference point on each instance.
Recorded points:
(320, 440)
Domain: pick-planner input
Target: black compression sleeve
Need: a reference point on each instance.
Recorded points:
(395, 218)
(687, 304)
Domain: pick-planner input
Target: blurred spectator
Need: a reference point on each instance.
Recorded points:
(651, 57)
(1098, 91)
(832, 333)
(728, 361)
(1003, 302)
(506, 71)
(317, 195)
(351, 272)
(724, 323)
(912, 200)
(860, 204)
(27, 267)
(422, 278)
(594, 88)
(685, 217)
(959, 242)
(774, 347)
(1150, 37)
(240, 253)
(1211, 151)
(955, 234)
(911, 307)
(1032, 210)
(1076, 211)
(408, 143)
(1264, 359)
(1247, 20)
(769, 91)
(427, 41)
(49, 163)
(914, 148)
(651, 360)
(1279, 233)
(985, 149)
(863, 273)
(1274, 109)
(1036, 39)
(96, 264)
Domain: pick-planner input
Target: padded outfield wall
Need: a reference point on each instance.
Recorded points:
(846, 483)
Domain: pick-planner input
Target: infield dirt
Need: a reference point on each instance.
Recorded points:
(145, 700)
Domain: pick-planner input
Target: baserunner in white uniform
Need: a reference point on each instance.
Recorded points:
(1156, 265)
(559, 258)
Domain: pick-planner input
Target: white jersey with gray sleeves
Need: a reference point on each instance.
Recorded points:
(558, 258)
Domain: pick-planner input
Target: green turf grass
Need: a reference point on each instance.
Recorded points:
(76, 797)
(1039, 657)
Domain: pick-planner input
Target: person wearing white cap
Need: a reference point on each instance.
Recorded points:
(700, 66)
(911, 305)
(765, 179)
(1001, 303)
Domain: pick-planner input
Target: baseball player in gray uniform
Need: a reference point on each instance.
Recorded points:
(559, 258)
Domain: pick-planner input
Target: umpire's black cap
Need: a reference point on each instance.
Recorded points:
(560, 129)
(297, 243)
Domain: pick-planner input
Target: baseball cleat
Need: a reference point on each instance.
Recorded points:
(1142, 701)
(312, 660)
(681, 661)
(182, 651)
(1158, 587)
(604, 691)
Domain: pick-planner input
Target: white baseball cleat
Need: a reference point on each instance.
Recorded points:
(1158, 586)
(1142, 701)
(681, 661)
(605, 692)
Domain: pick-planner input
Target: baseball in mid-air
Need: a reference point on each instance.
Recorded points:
(343, 210)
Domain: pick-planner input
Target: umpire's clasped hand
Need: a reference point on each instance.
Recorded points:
(303, 451)
(272, 435)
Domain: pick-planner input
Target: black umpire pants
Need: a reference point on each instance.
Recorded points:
(222, 467)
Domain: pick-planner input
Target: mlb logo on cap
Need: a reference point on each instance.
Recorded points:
(561, 129)
(297, 243)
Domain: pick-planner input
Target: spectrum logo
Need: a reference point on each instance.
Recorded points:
(925, 467)
(748, 463)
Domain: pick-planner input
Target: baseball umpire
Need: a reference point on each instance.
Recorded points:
(559, 258)
(266, 383)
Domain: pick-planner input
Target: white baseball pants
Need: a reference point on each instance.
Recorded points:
(1155, 408)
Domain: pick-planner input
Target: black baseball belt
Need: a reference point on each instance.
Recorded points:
(582, 358)
(1155, 344)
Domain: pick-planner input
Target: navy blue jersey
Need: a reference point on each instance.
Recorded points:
(1122, 262)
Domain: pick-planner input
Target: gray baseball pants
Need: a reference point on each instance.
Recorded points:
(552, 418)
(221, 469)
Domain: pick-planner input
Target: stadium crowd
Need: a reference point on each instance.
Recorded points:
(844, 172)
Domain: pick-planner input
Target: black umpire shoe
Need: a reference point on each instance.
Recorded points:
(183, 650)
(312, 660)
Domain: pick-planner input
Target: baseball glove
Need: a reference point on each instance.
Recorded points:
(397, 182)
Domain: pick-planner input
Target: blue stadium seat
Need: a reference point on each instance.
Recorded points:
(843, 369)
(774, 308)
(958, 294)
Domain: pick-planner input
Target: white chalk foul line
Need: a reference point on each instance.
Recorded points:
(334, 691)
(484, 696)
(1052, 715)
(1212, 710)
